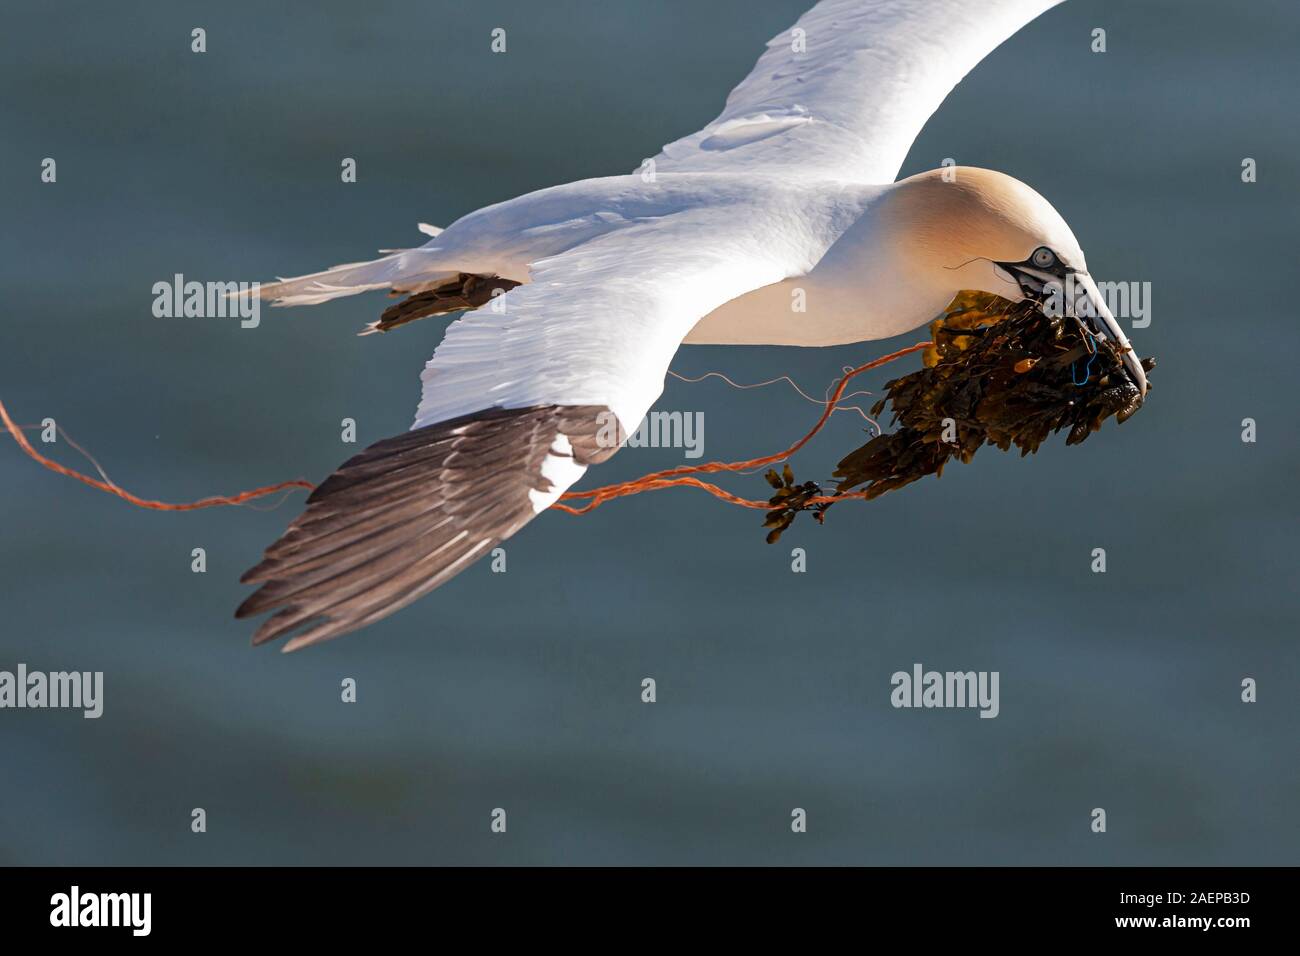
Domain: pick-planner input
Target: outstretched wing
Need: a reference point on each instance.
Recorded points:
(844, 93)
(521, 396)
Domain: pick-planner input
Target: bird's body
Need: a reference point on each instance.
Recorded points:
(778, 224)
(507, 238)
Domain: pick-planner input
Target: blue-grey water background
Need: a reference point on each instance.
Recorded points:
(522, 690)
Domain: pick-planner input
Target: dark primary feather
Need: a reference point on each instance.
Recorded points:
(408, 514)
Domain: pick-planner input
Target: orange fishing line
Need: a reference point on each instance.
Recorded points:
(673, 476)
(113, 489)
(670, 478)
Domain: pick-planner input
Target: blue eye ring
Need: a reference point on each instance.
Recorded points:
(1043, 258)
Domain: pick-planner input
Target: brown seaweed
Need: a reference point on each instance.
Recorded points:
(998, 373)
(790, 499)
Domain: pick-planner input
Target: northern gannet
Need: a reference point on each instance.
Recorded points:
(582, 293)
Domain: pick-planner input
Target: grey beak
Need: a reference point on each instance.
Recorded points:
(1084, 300)
(1077, 295)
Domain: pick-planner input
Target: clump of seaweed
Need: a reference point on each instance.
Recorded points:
(789, 500)
(998, 373)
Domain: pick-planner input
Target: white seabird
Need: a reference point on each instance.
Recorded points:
(600, 281)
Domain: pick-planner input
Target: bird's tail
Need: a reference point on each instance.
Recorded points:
(405, 270)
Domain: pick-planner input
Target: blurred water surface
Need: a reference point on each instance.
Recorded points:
(522, 690)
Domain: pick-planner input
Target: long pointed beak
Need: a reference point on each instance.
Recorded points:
(1089, 304)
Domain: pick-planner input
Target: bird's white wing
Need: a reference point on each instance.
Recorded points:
(598, 324)
(844, 93)
(517, 402)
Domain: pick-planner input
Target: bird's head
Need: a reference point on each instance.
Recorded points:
(963, 228)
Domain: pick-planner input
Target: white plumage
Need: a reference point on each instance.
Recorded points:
(790, 188)
(619, 270)
(843, 94)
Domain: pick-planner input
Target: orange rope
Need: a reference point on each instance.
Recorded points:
(671, 478)
(113, 489)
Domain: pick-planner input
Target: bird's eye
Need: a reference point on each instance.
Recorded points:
(1043, 257)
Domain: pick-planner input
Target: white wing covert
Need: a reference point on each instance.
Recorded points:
(844, 93)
